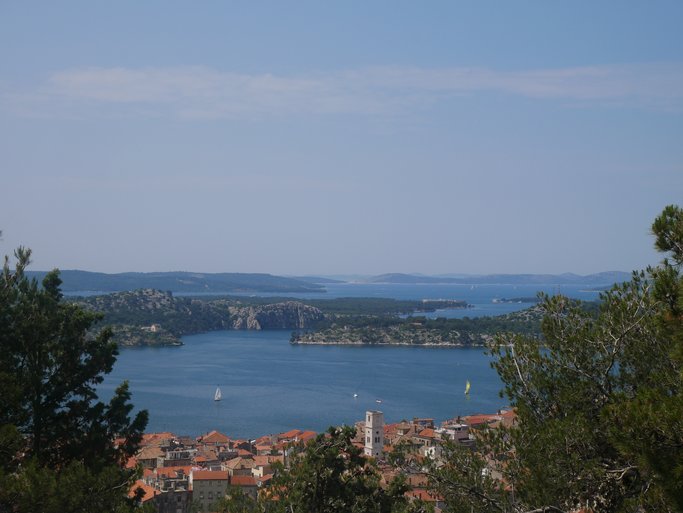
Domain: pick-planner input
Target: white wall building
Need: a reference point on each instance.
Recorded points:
(374, 434)
(454, 431)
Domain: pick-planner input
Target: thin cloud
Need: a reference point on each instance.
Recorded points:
(202, 92)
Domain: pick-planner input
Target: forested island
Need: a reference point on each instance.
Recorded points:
(421, 331)
(149, 317)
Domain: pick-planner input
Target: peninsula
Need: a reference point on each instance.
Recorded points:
(153, 317)
(420, 331)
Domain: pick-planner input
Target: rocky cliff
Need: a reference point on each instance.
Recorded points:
(287, 315)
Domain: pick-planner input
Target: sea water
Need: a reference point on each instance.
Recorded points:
(271, 386)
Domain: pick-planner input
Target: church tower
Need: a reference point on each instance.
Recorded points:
(374, 434)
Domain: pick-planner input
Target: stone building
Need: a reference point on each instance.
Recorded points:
(208, 487)
(374, 434)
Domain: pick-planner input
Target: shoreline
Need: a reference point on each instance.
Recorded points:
(402, 344)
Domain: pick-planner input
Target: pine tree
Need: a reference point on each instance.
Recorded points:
(61, 449)
(599, 405)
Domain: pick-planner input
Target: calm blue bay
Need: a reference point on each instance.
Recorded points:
(270, 386)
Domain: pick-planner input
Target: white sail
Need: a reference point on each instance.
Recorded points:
(218, 395)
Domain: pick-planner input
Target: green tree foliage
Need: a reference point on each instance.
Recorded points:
(332, 476)
(599, 405)
(61, 449)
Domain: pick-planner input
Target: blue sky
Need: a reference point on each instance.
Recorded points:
(345, 137)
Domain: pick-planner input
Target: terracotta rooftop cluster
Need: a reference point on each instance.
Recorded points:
(421, 438)
(180, 470)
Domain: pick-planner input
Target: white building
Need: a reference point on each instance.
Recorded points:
(455, 431)
(374, 434)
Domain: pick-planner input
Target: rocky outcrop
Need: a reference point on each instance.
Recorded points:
(287, 315)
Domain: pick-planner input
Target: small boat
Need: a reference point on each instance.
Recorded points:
(218, 395)
(378, 401)
(355, 395)
(467, 387)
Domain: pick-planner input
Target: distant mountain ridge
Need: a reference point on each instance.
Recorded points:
(320, 280)
(184, 282)
(243, 283)
(603, 278)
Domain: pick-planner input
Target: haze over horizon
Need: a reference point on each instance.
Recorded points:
(352, 138)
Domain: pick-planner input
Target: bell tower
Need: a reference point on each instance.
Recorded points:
(374, 434)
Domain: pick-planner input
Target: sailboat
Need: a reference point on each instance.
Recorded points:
(467, 387)
(218, 395)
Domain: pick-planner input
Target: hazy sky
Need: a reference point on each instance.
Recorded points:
(339, 137)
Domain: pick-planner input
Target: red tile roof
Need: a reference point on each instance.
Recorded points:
(209, 475)
(149, 491)
(292, 433)
(150, 453)
(239, 462)
(307, 435)
(266, 478)
(214, 437)
(509, 417)
(390, 428)
(475, 420)
(268, 459)
(173, 471)
(243, 481)
(155, 438)
(427, 433)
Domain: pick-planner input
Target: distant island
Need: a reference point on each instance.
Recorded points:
(76, 281)
(528, 299)
(184, 282)
(598, 279)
